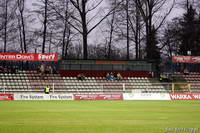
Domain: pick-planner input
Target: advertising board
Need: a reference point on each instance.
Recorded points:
(146, 96)
(186, 59)
(6, 97)
(38, 96)
(185, 96)
(28, 57)
(98, 97)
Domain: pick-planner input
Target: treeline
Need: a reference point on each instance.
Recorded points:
(182, 34)
(100, 29)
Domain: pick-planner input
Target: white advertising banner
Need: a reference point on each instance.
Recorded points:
(38, 96)
(146, 96)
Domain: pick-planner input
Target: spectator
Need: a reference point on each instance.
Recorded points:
(1, 69)
(50, 70)
(42, 69)
(46, 69)
(54, 70)
(47, 90)
(9, 69)
(16, 69)
(112, 77)
(13, 70)
(161, 78)
(185, 71)
(80, 76)
(119, 77)
(108, 76)
(38, 69)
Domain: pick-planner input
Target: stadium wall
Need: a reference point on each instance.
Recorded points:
(120, 96)
(102, 73)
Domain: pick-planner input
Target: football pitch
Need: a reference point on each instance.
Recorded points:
(99, 116)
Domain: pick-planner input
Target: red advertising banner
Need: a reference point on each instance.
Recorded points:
(185, 96)
(186, 59)
(28, 57)
(98, 97)
(6, 97)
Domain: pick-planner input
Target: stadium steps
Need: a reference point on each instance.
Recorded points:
(33, 82)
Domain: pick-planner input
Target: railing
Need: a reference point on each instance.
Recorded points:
(107, 88)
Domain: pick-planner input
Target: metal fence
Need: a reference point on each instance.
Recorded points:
(107, 88)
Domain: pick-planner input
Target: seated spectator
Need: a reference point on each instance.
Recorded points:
(165, 78)
(108, 76)
(16, 69)
(80, 76)
(112, 77)
(42, 69)
(161, 78)
(50, 70)
(47, 70)
(1, 69)
(13, 70)
(38, 69)
(6, 69)
(185, 71)
(9, 69)
(54, 70)
(119, 77)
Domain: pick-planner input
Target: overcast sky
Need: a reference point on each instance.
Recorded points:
(96, 36)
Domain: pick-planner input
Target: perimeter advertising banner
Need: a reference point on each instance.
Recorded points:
(186, 59)
(38, 96)
(98, 97)
(185, 96)
(6, 97)
(28, 57)
(146, 96)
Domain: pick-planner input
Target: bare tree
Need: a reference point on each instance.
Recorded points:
(111, 30)
(148, 10)
(67, 31)
(137, 30)
(58, 30)
(20, 35)
(127, 29)
(45, 26)
(8, 25)
(5, 25)
(21, 4)
(171, 40)
(83, 22)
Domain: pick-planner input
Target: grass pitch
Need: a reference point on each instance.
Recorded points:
(98, 116)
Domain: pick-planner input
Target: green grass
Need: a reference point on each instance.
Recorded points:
(97, 116)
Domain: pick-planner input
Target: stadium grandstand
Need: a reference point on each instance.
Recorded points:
(63, 77)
